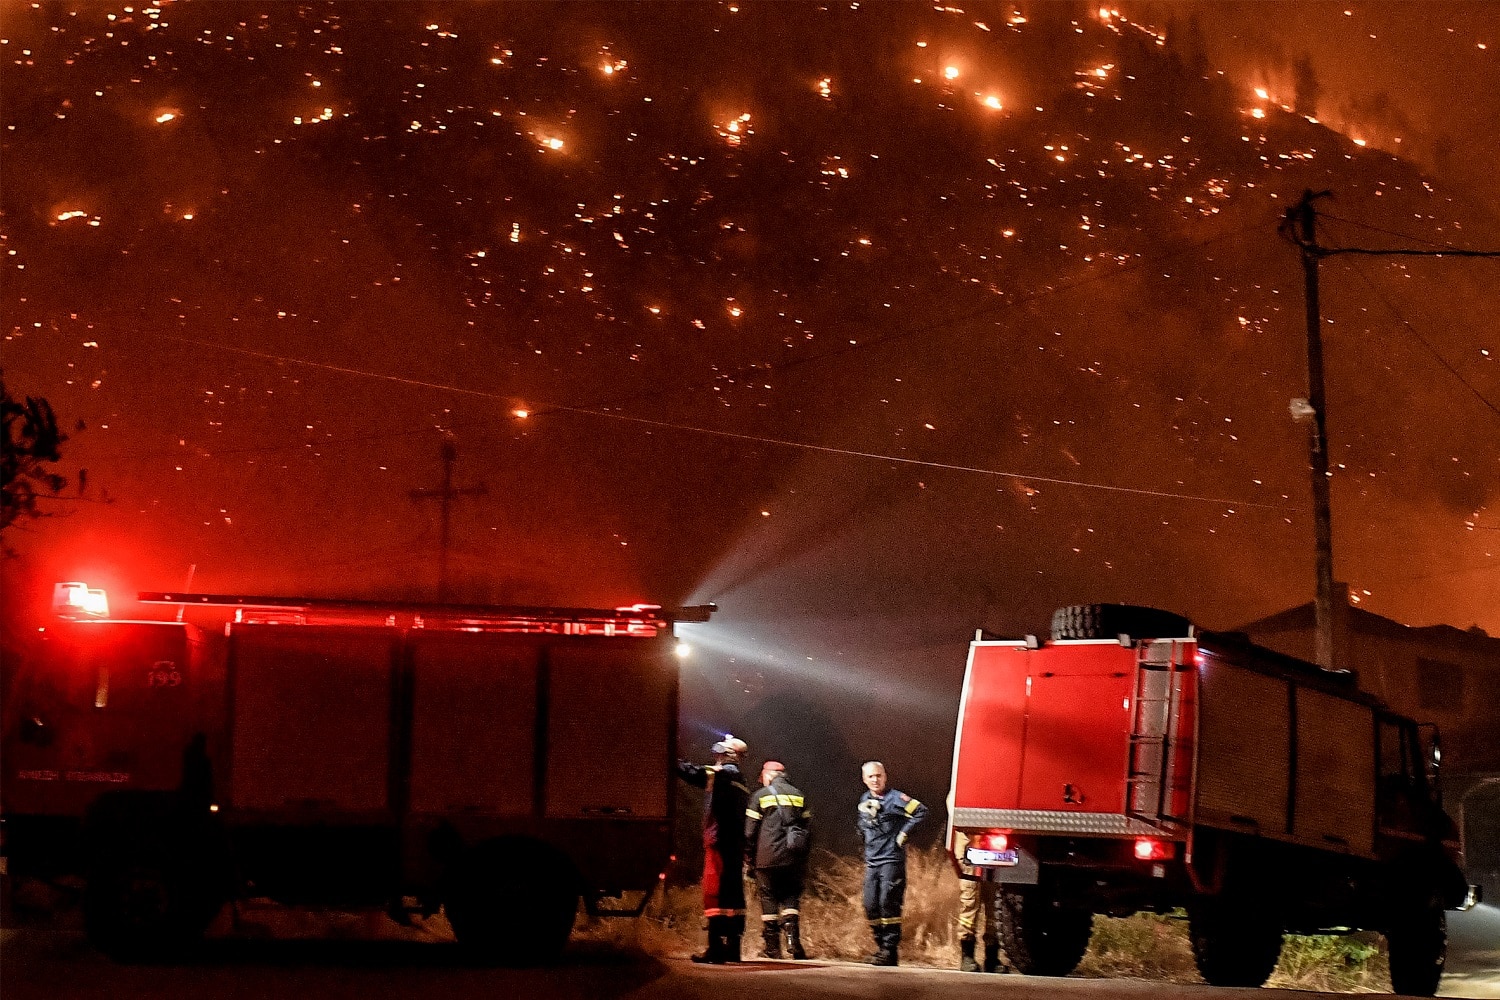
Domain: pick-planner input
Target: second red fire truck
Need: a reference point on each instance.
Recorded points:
(1134, 764)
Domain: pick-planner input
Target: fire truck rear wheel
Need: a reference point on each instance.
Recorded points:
(1236, 942)
(1041, 937)
(513, 903)
(1108, 621)
(1418, 946)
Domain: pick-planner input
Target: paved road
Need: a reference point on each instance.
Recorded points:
(49, 962)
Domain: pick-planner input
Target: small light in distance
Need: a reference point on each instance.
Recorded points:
(520, 413)
(683, 650)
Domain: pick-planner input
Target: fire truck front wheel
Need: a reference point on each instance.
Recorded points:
(1042, 937)
(1418, 945)
(513, 902)
(1236, 941)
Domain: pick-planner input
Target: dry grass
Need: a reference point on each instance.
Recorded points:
(1146, 946)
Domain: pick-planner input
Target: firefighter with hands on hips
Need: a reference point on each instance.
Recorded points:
(724, 807)
(886, 819)
(777, 830)
(976, 895)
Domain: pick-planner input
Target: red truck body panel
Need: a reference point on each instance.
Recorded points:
(1045, 731)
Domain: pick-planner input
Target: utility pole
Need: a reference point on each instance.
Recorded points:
(445, 495)
(1301, 223)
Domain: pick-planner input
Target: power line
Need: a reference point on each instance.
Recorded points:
(1392, 232)
(735, 435)
(1423, 341)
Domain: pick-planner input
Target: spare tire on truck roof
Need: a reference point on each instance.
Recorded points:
(1109, 621)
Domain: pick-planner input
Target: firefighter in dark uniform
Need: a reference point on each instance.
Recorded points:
(776, 846)
(723, 847)
(886, 818)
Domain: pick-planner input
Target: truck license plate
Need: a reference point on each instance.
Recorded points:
(1002, 858)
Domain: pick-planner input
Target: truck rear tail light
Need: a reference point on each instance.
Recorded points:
(1147, 849)
(992, 840)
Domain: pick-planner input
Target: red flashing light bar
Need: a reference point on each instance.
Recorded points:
(78, 600)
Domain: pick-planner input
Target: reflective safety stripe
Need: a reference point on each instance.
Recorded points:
(887, 921)
(912, 806)
(769, 918)
(792, 801)
(790, 912)
(752, 814)
(723, 913)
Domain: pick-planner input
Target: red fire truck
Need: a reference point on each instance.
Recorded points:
(347, 754)
(1134, 764)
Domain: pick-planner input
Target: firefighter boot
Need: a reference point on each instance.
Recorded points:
(714, 953)
(731, 952)
(770, 931)
(889, 939)
(966, 962)
(992, 957)
(793, 938)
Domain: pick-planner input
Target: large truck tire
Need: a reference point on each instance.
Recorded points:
(513, 902)
(1041, 937)
(155, 877)
(1236, 942)
(144, 906)
(1109, 621)
(1418, 947)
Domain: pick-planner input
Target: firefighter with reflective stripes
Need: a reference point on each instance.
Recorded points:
(724, 807)
(886, 819)
(976, 896)
(777, 830)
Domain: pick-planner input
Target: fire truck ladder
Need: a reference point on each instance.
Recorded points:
(1155, 714)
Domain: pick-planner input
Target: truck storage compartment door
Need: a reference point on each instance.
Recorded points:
(1244, 746)
(617, 693)
(104, 706)
(1078, 728)
(987, 759)
(311, 710)
(1335, 797)
(474, 723)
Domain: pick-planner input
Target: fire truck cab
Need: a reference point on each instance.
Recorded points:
(1133, 764)
(348, 754)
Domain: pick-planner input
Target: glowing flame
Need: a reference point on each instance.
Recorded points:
(950, 72)
(993, 102)
(1257, 113)
(825, 87)
(520, 414)
(1262, 93)
(735, 130)
(165, 117)
(65, 216)
(1359, 142)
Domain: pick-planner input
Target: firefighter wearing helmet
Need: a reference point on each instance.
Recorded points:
(776, 847)
(724, 804)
